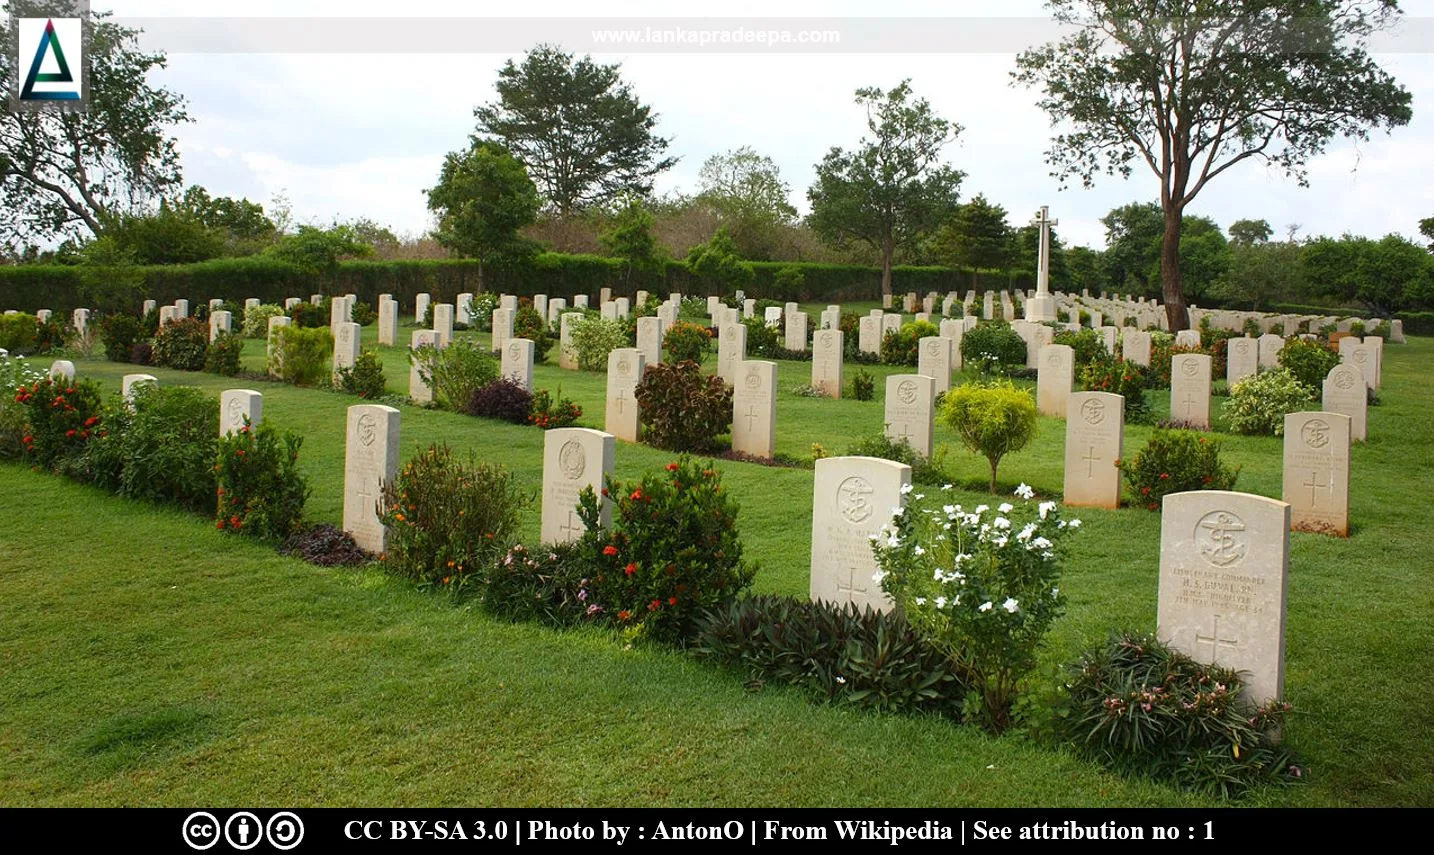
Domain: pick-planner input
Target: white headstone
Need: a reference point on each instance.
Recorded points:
(796, 331)
(463, 309)
(508, 301)
(1345, 393)
(580, 301)
(1187, 338)
(1190, 389)
(1316, 472)
(149, 306)
(852, 498)
(1135, 347)
(271, 342)
(731, 351)
(1054, 377)
(419, 391)
(62, 371)
(1095, 435)
(1224, 565)
(517, 362)
(623, 307)
(567, 354)
(346, 347)
(502, 328)
(420, 307)
(235, 405)
(933, 359)
(573, 458)
(1270, 346)
(649, 340)
(220, 323)
(868, 335)
(909, 411)
(132, 380)
(182, 307)
(556, 307)
(772, 315)
(540, 305)
(754, 409)
(370, 462)
(827, 374)
(624, 370)
(1242, 359)
(387, 322)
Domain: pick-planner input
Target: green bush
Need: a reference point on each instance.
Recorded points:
(533, 326)
(309, 316)
(594, 337)
(673, 550)
(261, 489)
(223, 354)
(120, 333)
(903, 346)
(1137, 706)
(455, 372)
(363, 314)
(1174, 461)
(60, 419)
(256, 319)
(15, 374)
(1258, 404)
(993, 347)
(682, 408)
(365, 377)
(449, 520)
(839, 653)
(1309, 361)
(1088, 345)
(553, 410)
(863, 385)
(924, 470)
(992, 419)
(686, 342)
(182, 344)
(480, 312)
(1120, 377)
(763, 342)
(549, 585)
(980, 585)
(18, 333)
(304, 356)
(168, 444)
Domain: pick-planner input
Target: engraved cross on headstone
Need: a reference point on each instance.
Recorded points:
(1314, 484)
(621, 399)
(570, 529)
(1215, 641)
(751, 416)
(1189, 402)
(850, 589)
(1090, 461)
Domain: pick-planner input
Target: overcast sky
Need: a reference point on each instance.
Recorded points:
(361, 133)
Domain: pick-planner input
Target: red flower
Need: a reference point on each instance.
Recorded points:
(219, 524)
(27, 440)
(631, 568)
(636, 495)
(654, 605)
(70, 432)
(604, 492)
(672, 601)
(672, 467)
(609, 550)
(92, 421)
(624, 614)
(1164, 476)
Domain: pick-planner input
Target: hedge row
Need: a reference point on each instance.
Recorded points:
(61, 288)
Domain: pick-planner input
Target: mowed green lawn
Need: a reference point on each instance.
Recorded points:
(147, 659)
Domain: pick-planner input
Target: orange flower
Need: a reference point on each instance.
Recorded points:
(672, 601)
(624, 614)
(672, 467)
(609, 550)
(631, 568)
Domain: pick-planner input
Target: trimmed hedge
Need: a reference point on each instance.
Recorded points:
(60, 287)
(1417, 323)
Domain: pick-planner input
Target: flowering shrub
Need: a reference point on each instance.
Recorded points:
(304, 357)
(1138, 706)
(993, 348)
(549, 411)
(1258, 404)
(1121, 377)
(455, 372)
(1088, 345)
(18, 333)
(672, 552)
(119, 334)
(549, 585)
(842, 653)
(182, 344)
(60, 418)
(1174, 461)
(15, 374)
(309, 316)
(980, 584)
(503, 399)
(902, 346)
(256, 320)
(49, 335)
(992, 420)
(1161, 356)
(863, 385)
(687, 342)
(448, 520)
(222, 355)
(1309, 361)
(682, 408)
(527, 323)
(595, 337)
(480, 312)
(763, 342)
(261, 489)
(365, 377)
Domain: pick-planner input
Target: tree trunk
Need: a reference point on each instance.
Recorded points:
(888, 251)
(995, 462)
(1171, 286)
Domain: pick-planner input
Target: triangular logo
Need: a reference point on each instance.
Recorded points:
(49, 41)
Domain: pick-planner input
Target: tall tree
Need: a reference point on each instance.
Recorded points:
(1192, 88)
(1426, 228)
(482, 198)
(1250, 232)
(1084, 266)
(1260, 272)
(976, 235)
(891, 190)
(630, 238)
(1132, 247)
(62, 174)
(582, 134)
(746, 191)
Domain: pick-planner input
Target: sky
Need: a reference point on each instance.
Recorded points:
(350, 117)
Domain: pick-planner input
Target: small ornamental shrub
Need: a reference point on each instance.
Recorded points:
(15, 374)
(49, 336)
(1174, 461)
(480, 312)
(1258, 403)
(1119, 377)
(923, 470)
(362, 313)
(455, 372)
(992, 420)
(549, 585)
(1088, 345)
(1137, 706)
(682, 408)
(1309, 361)
(448, 519)
(594, 337)
(309, 316)
(326, 545)
(182, 344)
(763, 342)
(980, 584)
(169, 447)
(18, 333)
(304, 357)
(553, 411)
(839, 653)
(863, 385)
(1356, 329)
(256, 319)
(222, 355)
(1251, 328)
(261, 490)
(365, 377)
(529, 324)
(1158, 374)
(60, 419)
(993, 348)
(687, 342)
(902, 346)
(1216, 343)
(502, 399)
(672, 552)
(119, 334)
(142, 353)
